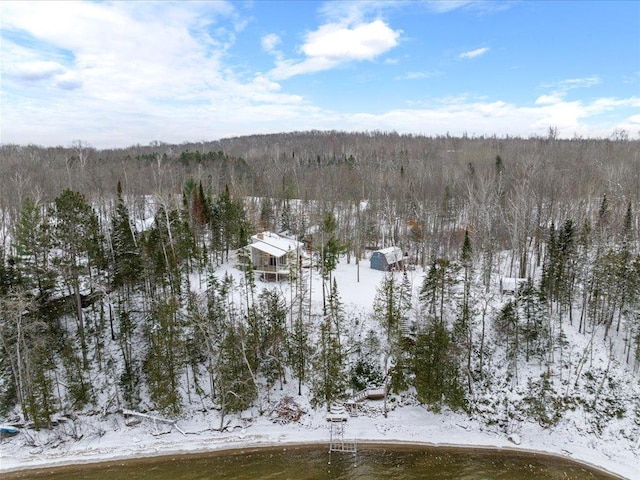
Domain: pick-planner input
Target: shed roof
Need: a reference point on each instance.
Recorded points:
(513, 284)
(391, 254)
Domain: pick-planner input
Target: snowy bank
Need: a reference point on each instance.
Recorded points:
(111, 439)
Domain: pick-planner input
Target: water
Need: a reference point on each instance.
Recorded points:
(314, 463)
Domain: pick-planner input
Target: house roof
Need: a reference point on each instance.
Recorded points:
(274, 244)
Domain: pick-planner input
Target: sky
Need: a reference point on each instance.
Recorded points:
(116, 74)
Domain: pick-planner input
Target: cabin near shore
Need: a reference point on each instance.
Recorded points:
(273, 255)
(387, 259)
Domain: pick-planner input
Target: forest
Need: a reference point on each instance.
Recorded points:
(112, 292)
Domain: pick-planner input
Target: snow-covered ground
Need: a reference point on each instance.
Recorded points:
(110, 436)
(111, 439)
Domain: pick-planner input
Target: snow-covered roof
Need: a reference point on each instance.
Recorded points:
(337, 417)
(513, 281)
(512, 284)
(274, 244)
(392, 254)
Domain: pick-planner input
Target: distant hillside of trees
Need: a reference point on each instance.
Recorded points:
(507, 191)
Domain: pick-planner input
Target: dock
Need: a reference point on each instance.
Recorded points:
(337, 419)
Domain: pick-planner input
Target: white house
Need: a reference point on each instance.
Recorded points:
(273, 255)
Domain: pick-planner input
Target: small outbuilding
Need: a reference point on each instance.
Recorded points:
(509, 285)
(387, 259)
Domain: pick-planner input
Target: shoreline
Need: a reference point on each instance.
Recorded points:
(256, 447)
(278, 437)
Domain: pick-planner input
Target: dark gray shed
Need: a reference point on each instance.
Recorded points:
(387, 259)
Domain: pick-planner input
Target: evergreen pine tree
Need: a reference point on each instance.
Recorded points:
(329, 382)
(266, 214)
(507, 325)
(436, 370)
(565, 271)
(79, 243)
(463, 328)
(234, 229)
(386, 308)
(32, 242)
(550, 267)
(161, 262)
(130, 380)
(299, 348)
(287, 219)
(236, 389)
(266, 336)
(435, 289)
(627, 289)
(391, 307)
(366, 370)
(126, 258)
(164, 358)
(534, 329)
(26, 359)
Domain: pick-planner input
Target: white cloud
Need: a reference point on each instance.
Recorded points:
(118, 54)
(571, 83)
(34, 70)
(68, 80)
(602, 105)
(270, 43)
(631, 125)
(354, 12)
(476, 6)
(362, 42)
(464, 114)
(559, 90)
(334, 44)
(444, 6)
(566, 116)
(118, 73)
(563, 87)
(474, 53)
(548, 99)
(417, 75)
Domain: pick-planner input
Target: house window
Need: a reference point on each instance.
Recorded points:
(273, 261)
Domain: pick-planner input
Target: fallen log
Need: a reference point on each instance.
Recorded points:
(173, 423)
